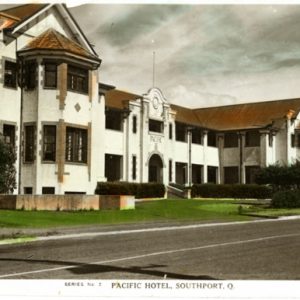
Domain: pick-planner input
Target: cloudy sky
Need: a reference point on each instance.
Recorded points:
(205, 55)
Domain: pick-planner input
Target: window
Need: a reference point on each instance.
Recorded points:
(180, 132)
(50, 75)
(170, 170)
(298, 141)
(28, 190)
(251, 172)
(30, 74)
(29, 143)
(156, 126)
(211, 139)
(252, 139)
(76, 145)
(49, 142)
(231, 140)
(113, 119)
(271, 139)
(231, 175)
(212, 174)
(10, 74)
(196, 136)
(134, 167)
(74, 193)
(134, 124)
(170, 131)
(9, 134)
(181, 172)
(48, 190)
(197, 173)
(77, 79)
(293, 141)
(113, 167)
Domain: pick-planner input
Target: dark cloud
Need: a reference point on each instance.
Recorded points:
(143, 19)
(287, 63)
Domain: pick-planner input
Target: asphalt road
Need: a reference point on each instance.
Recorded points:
(265, 250)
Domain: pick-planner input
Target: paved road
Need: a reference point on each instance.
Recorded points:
(265, 250)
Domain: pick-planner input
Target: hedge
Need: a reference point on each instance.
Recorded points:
(286, 199)
(240, 191)
(280, 177)
(139, 190)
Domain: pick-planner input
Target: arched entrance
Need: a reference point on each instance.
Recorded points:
(155, 169)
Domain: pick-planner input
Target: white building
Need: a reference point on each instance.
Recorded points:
(71, 132)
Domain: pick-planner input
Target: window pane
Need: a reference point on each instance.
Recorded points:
(252, 139)
(156, 126)
(113, 119)
(76, 145)
(231, 140)
(231, 175)
(196, 136)
(50, 75)
(77, 79)
(29, 143)
(211, 139)
(180, 130)
(9, 134)
(30, 74)
(10, 74)
(49, 142)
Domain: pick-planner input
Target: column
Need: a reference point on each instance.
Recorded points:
(242, 156)
(220, 139)
(204, 156)
(189, 170)
(264, 147)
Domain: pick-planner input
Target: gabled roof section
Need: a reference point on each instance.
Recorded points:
(20, 13)
(119, 99)
(247, 116)
(54, 40)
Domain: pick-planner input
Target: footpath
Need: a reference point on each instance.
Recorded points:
(20, 235)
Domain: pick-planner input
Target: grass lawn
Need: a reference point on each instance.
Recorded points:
(165, 210)
(271, 212)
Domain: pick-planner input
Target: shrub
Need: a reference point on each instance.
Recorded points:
(240, 191)
(286, 199)
(139, 190)
(7, 168)
(280, 177)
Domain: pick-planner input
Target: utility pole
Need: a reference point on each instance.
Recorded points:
(153, 75)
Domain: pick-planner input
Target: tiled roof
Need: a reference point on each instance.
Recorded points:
(19, 14)
(54, 40)
(119, 99)
(185, 115)
(240, 116)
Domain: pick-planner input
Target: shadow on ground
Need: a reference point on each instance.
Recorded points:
(84, 269)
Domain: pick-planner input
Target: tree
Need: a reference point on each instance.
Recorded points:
(7, 168)
(280, 177)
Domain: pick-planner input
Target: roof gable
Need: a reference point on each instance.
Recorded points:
(22, 12)
(20, 16)
(54, 40)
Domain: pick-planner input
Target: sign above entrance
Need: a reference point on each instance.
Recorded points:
(155, 139)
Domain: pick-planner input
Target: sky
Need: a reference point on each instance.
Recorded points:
(205, 55)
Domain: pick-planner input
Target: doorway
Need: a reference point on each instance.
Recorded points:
(155, 169)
